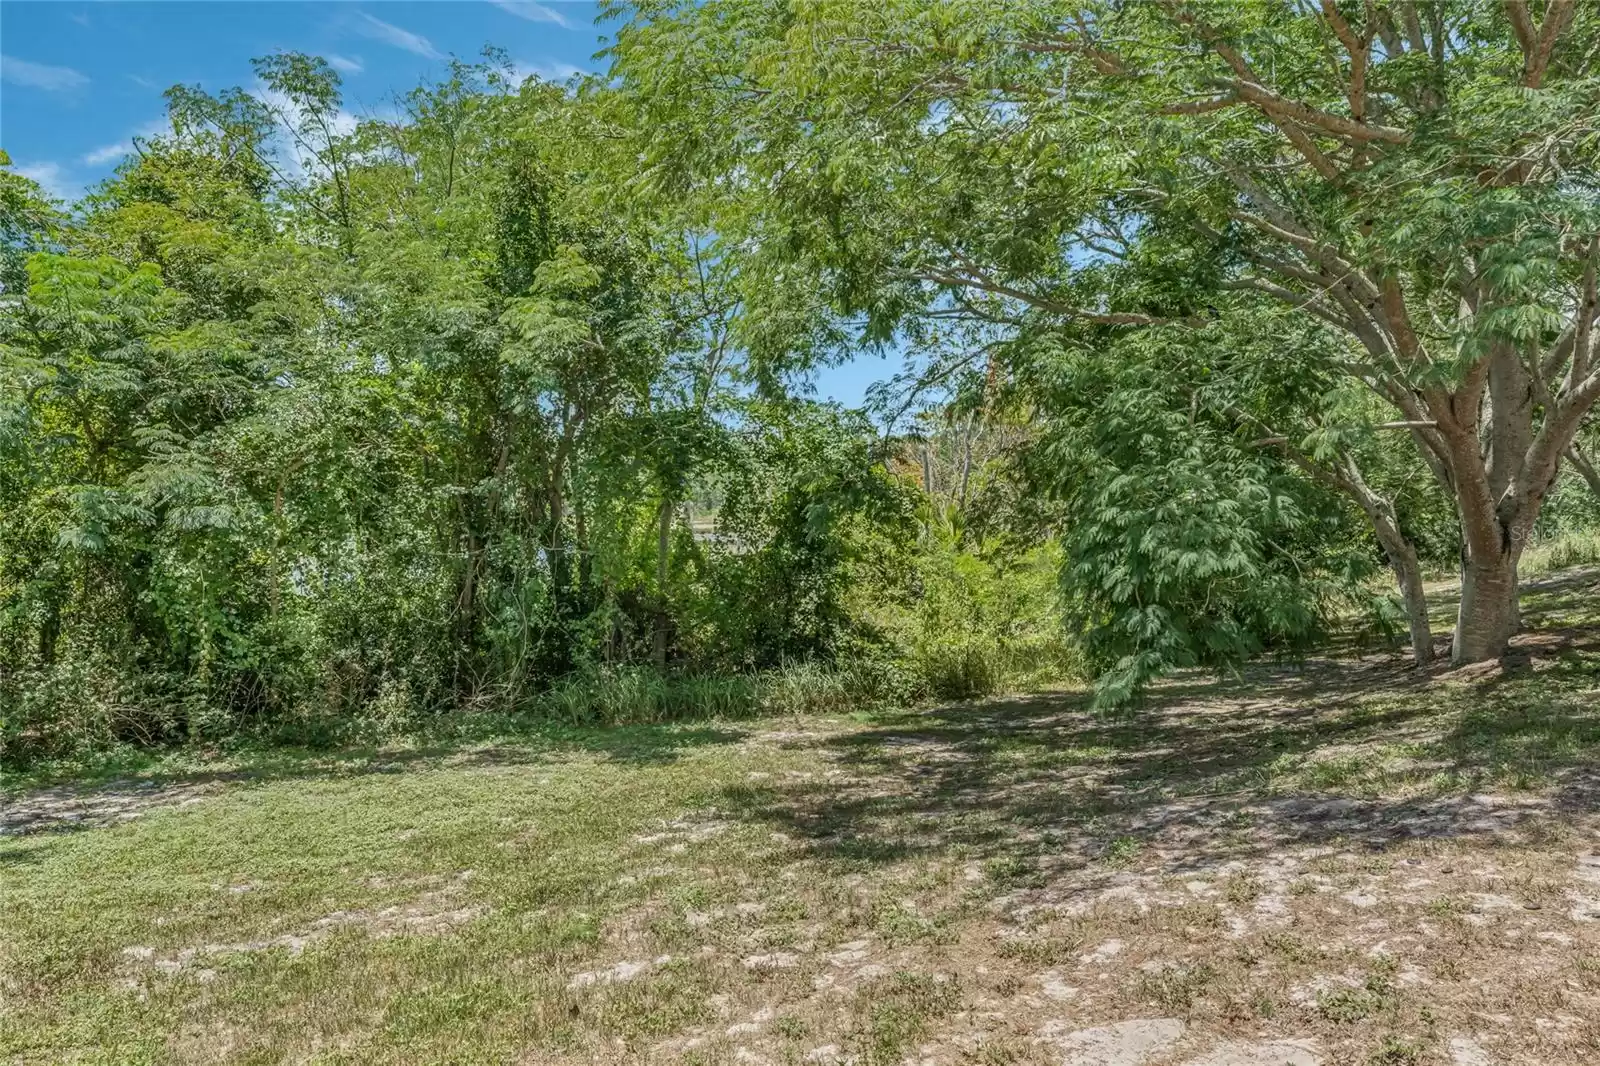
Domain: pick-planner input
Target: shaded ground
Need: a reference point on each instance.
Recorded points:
(1338, 862)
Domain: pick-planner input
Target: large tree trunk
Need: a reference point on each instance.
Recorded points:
(1489, 615)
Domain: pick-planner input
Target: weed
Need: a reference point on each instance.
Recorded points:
(900, 923)
(1376, 994)
(1176, 987)
(1290, 947)
(894, 1012)
(1041, 950)
(1122, 851)
(1447, 906)
(1396, 1052)
(1345, 1005)
(1242, 889)
(1013, 870)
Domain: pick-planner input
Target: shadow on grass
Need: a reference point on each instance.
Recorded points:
(510, 742)
(1281, 754)
(1354, 754)
(1194, 793)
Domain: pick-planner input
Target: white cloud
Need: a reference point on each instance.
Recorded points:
(107, 153)
(112, 153)
(390, 34)
(39, 76)
(553, 71)
(301, 158)
(527, 9)
(48, 175)
(345, 64)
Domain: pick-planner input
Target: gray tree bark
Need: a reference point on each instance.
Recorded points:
(1408, 574)
(1586, 469)
(1488, 617)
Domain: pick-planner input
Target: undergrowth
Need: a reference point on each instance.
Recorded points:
(1575, 548)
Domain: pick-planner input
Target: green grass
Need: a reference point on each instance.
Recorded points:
(535, 851)
(442, 900)
(895, 1012)
(1562, 553)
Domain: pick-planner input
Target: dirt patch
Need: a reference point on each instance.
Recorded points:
(430, 914)
(621, 972)
(1261, 1053)
(57, 810)
(1129, 1043)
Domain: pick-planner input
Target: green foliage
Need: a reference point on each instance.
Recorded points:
(1395, 208)
(638, 695)
(312, 426)
(806, 514)
(431, 427)
(1191, 544)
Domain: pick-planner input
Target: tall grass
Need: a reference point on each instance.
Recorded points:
(865, 679)
(1574, 548)
(637, 695)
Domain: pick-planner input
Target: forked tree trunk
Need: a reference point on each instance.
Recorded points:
(1489, 615)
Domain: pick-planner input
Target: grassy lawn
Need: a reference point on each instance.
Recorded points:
(1335, 862)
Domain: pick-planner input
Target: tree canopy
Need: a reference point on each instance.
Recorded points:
(1415, 178)
(1213, 311)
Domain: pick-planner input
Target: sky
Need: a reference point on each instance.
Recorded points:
(80, 80)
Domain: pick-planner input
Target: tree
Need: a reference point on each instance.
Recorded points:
(1417, 177)
(305, 418)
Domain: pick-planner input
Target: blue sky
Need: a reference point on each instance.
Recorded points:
(79, 80)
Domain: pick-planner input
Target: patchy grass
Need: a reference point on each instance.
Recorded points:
(1342, 856)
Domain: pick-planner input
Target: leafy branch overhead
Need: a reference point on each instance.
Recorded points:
(1206, 312)
(1417, 178)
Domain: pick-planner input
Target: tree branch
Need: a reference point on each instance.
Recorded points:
(1275, 105)
(1588, 307)
(1200, 107)
(975, 280)
(1105, 62)
(1359, 48)
(1557, 17)
(1308, 301)
(1580, 462)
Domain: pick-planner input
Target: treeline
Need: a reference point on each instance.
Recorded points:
(310, 425)
(1225, 324)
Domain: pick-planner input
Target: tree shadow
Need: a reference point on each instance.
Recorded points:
(75, 807)
(1208, 772)
(1040, 774)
